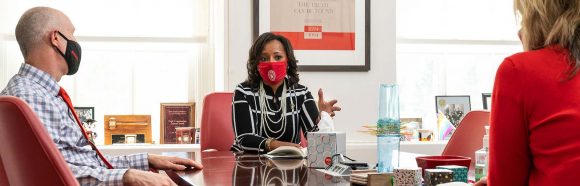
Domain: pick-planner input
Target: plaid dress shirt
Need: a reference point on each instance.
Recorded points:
(40, 91)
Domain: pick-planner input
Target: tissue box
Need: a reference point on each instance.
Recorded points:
(407, 176)
(322, 145)
(459, 172)
(438, 176)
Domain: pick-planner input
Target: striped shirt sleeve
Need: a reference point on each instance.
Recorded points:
(134, 161)
(98, 175)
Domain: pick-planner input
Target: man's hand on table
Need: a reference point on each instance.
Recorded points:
(138, 177)
(171, 163)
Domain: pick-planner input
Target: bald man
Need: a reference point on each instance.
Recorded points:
(50, 51)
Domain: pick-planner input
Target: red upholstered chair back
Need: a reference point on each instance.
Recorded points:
(216, 122)
(468, 137)
(28, 154)
(303, 141)
(3, 177)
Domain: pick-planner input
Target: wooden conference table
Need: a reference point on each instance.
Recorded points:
(225, 168)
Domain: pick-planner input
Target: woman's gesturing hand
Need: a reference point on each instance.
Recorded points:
(327, 106)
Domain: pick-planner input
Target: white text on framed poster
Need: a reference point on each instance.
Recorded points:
(326, 35)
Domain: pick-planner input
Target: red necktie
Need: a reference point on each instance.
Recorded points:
(62, 93)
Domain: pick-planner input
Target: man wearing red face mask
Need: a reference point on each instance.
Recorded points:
(270, 108)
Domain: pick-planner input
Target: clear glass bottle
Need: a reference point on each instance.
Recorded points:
(388, 128)
(481, 157)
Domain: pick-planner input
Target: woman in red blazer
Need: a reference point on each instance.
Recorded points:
(535, 116)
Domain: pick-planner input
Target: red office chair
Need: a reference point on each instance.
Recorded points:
(303, 141)
(216, 122)
(468, 137)
(3, 178)
(28, 154)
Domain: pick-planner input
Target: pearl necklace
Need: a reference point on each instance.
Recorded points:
(265, 108)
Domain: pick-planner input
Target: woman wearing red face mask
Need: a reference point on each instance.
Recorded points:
(270, 108)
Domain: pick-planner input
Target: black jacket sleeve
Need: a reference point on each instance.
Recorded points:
(308, 114)
(243, 121)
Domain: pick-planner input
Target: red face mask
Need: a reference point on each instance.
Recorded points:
(272, 72)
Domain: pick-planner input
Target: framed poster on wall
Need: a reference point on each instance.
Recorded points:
(326, 35)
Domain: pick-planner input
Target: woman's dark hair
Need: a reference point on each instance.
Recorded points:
(254, 58)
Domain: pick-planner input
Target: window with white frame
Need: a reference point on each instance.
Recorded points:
(450, 47)
(136, 53)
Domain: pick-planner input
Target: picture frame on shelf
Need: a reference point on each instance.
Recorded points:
(123, 129)
(325, 35)
(175, 115)
(486, 98)
(128, 139)
(87, 117)
(454, 107)
(409, 128)
(85, 113)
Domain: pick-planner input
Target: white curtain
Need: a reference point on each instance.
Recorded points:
(136, 53)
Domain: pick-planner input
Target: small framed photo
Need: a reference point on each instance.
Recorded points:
(85, 113)
(174, 115)
(453, 107)
(486, 98)
(127, 139)
(130, 138)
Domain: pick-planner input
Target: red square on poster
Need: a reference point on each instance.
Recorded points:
(315, 24)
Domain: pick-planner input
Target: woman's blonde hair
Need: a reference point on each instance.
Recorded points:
(551, 22)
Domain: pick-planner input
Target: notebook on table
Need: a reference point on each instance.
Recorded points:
(287, 152)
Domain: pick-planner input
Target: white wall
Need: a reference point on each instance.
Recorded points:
(357, 92)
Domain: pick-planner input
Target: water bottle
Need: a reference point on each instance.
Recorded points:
(388, 128)
(481, 157)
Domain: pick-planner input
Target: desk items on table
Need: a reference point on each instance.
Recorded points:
(407, 176)
(322, 146)
(411, 176)
(371, 178)
(459, 172)
(438, 176)
(327, 149)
